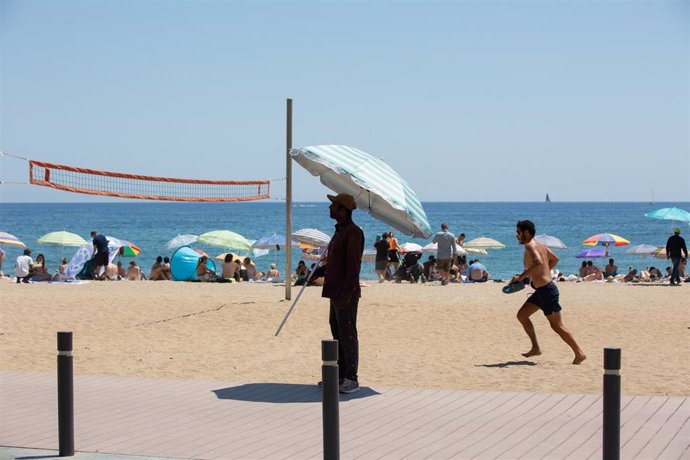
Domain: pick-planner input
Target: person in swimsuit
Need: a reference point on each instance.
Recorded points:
(539, 261)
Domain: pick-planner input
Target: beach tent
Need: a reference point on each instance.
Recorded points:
(183, 264)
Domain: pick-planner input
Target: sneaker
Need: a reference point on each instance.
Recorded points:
(348, 386)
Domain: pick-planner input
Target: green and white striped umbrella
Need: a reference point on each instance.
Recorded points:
(63, 238)
(377, 188)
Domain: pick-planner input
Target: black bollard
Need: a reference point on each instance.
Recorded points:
(331, 412)
(65, 386)
(611, 448)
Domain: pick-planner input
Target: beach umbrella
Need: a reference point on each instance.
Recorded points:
(676, 214)
(10, 240)
(129, 249)
(222, 256)
(180, 240)
(225, 239)
(642, 249)
(592, 253)
(376, 187)
(484, 243)
(606, 239)
(659, 253)
(432, 248)
(274, 241)
(550, 241)
(62, 238)
(312, 236)
(410, 247)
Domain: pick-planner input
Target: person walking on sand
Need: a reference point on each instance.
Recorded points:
(539, 261)
(341, 286)
(444, 254)
(675, 247)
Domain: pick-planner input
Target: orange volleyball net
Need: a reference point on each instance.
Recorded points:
(95, 182)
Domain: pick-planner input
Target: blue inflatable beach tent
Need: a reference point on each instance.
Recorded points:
(183, 264)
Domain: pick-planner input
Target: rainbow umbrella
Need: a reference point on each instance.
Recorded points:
(606, 239)
(659, 253)
(10, 240)
(129, 250)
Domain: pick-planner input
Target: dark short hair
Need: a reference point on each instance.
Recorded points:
(94, 232)
(159, 259)
(27, 251)
(444, 226)
(526, 226)
(228, 257)
(166, 259)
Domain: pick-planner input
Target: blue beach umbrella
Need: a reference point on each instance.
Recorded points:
(670, 214)
(376, 187)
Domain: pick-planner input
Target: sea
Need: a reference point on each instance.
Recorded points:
(150, 225)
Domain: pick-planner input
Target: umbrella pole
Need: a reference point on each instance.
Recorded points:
(288, 199)
(287, 315)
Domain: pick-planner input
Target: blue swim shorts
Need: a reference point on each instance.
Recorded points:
(546, 298)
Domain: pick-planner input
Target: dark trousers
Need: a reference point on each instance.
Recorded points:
(344, 329)
(675, 273)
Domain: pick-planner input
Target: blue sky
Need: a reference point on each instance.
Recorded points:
(497, 101)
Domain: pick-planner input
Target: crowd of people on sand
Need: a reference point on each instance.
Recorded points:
(391, 264)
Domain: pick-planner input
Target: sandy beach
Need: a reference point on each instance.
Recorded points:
(425, 336)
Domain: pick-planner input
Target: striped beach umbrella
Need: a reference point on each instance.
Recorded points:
(312, 236)
(225, 239)
(484, 243)
(606, 239)
(62, 238)
(376, 187)
(10, 240)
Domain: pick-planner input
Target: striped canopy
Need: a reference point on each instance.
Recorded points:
(606, 239)
(10, 240)
(62, 239)
(312, 236)
(376, 187)
(484, 243)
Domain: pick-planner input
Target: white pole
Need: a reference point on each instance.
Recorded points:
(288, 204)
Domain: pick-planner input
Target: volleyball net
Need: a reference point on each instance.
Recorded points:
(106, 183)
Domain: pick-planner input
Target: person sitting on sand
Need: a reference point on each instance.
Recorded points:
(273, 274)
(478, 272)
(583, 269)
(654, 274)
(229, 268)
(110, 272)
(251, 269)
(121, 274)
(40, 272)
(157, 270)
(598, 275)
(591, 268)
(133, 271)
(611, 269)
(167, 272)
(631, 276)
(203, 273)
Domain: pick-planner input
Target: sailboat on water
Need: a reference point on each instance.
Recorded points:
(547, 200)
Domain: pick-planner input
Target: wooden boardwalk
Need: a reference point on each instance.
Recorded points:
(222, 420)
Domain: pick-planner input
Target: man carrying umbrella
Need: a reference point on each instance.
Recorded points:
(539, 261)
(675, 247)
(341, 286)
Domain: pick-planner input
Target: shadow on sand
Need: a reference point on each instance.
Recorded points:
(284, 393)
(508, 363)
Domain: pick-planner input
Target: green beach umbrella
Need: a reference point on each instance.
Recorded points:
(225, 239)
(62, 239)
(376, 187)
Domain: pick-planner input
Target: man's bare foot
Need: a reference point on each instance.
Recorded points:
(532, 352)
(579, 359)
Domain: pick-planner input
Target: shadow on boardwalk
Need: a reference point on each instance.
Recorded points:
(284, 393)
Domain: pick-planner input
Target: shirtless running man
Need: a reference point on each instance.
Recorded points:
(538, 261)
